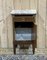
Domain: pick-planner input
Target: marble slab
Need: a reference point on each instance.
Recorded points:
(23, 12)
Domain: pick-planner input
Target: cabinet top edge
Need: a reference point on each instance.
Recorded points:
(23, 12)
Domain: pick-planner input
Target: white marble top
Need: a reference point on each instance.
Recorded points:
(13, 12)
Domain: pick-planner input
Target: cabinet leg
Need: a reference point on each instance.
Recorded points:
(14, 50)
(33, 47)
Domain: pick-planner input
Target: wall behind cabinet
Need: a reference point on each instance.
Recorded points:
(25, 4)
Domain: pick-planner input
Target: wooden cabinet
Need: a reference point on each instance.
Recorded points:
(20, 21)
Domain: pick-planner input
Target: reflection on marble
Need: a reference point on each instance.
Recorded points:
(23, 34)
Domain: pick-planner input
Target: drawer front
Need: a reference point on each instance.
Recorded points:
(19, 19)
(24, 19)
(29, 19)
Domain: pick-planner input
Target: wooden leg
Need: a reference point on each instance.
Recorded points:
(14, 50)
(33, 48)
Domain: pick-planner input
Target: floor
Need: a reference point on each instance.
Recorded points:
(23, 57)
